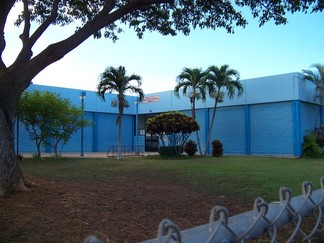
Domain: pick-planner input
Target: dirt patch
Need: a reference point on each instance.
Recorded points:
(127, 210)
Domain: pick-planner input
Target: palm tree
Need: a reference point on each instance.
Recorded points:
(220, 82)
(317, 77)
(116, 80)
(192, 83)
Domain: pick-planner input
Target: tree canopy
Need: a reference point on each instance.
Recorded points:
(107, 18)
(172, 128)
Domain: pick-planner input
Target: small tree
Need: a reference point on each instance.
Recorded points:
(192, 83)
(49, 119)
(172, 128)
(116, 80)
(63, 126)
(34, 115)
(222, 81)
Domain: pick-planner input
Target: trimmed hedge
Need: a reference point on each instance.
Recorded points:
(170, 151)
(190, 148)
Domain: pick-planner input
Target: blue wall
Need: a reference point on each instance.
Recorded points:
(270, 118)
(271, 129)
(230, 129)
(92, 101)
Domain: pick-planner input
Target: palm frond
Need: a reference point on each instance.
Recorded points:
(192, 83)
(115, 80)
(317, 75)
(223, 78)
(311, 75)
(114, 103)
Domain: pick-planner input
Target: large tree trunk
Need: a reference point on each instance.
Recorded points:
(12, 84)
(11, 178)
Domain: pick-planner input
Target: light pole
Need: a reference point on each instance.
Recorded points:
(136, 132)
(82, 98)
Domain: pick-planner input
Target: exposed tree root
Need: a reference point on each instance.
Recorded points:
(28, 183)
(22, 187)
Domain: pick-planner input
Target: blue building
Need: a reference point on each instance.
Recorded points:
(270, 118)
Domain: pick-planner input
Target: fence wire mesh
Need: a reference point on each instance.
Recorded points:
(265, 220)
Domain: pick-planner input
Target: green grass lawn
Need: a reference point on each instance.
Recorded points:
(246, 177)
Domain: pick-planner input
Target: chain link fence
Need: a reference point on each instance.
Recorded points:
(264, 220)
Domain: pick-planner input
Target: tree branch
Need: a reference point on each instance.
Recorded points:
(28, 42)
(41, 29)
(109, 5)
(138, 4)
(25, 34)
(58, 50)
(5, 7)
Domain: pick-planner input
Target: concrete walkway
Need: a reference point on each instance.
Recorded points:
(96, 155)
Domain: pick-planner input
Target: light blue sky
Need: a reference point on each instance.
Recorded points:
(253, 51)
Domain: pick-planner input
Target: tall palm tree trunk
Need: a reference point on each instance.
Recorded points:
(119, 139)
(119, 145)
(211, 127)
(317, 118)
(193, 109)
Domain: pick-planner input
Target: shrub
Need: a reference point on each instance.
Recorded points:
(217, 148)
(190, 148)
(167, 151)
(310, 148)
(172, 128)
(320, 137)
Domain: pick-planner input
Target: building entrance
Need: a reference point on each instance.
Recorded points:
(151, 143)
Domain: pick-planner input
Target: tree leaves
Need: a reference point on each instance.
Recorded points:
(176, 127)
(168, 17)
(48, 118)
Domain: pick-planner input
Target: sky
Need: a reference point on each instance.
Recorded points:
(253, 51)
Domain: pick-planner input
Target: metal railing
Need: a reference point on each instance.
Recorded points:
(264, 220)
(126, 150)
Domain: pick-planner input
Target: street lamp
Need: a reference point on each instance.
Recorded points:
(136, 132)
(82, 98)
